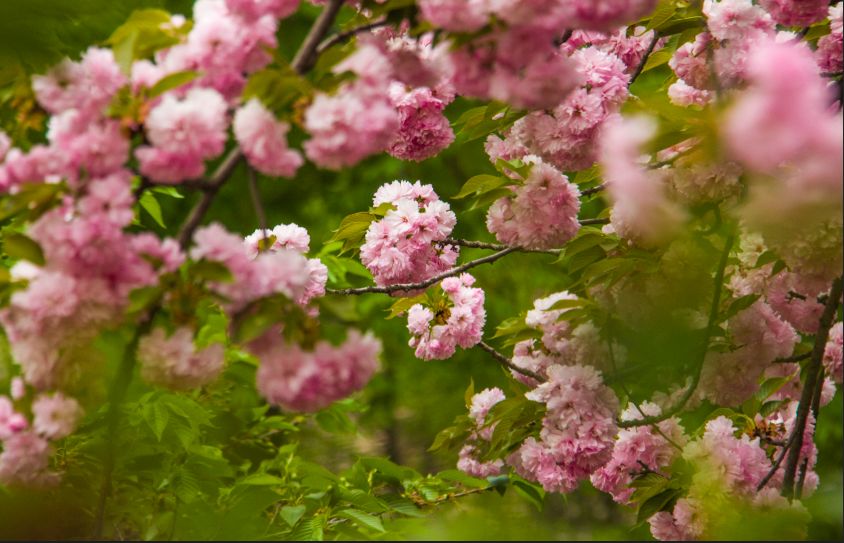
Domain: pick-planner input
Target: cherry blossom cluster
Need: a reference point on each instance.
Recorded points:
(541, 213)
(578, 429)
(480, 406)
(453, 320)
(564, 133)
(25, 459)
(308, 380)
(402, 247)
(283, 270)
(173, 361)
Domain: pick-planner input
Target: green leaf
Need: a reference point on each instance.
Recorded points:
(156, 416)
(534, 493)
(363, 519)
(739, 304)
(172, 192)
(458, 476)
(660, 502)
(171, 81)
(402, 305)
(22, 247)
(470, 392)
(352, 229)
(773, 385)
(292, 513)
(481, 184)
(261, 479)
(211, 270)
(663, 12)
(309, 530)
(149, 204)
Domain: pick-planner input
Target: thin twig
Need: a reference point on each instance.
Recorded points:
(813, 379)
(340, 37)
(710, 328)
(793, 358)
(587, 222)
(593, 190)
(256, 201)
(428, 282)
(509, 363)
(494, 246)
(644, 60)
(306, 56)
(201, 208)
(776, 465)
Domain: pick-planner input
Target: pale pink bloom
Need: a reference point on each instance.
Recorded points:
(637, 446)
(255, 9)
(355, 122)
(173, 361)
(832, 357)
(541, 213)
(402, 247)
(87, 85)
(11, 422)
(25, 461)
(18, 389)
(194, 125)
(482, 403)
(459, 323)
(424, 130)
(302, 380)
(99, 148)
(455, 15)
(468, 463)
(690, 63)
(641, 211)
(263, 140)
(577, 431)
(55, 416)
(735, 19)
(796, 12)
(795, 298)
(830, 51)
(604, 14)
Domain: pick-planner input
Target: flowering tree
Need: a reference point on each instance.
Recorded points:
(675, 165)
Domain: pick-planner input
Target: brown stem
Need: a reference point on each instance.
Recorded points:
(201, 208)
(340, 37)
(428, 282)
(306, 56)
(509, 364)
(644, 60)
(256, 201)
(813, 379)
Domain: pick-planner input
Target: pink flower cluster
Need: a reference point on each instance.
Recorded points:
(402, 247)
(641, 210)
(724, 465)
(759, 336)
(302, 380)
(173, 361)
(578, 430)
(228, 40)
(455, 320)
(833, 361)
(796, 12)
(276, 270)
(541, 213)
(183, 133)
(467, 462)
(472, 15)
(91, 267)
(781, 129)
(565, 136)
(635, 447)
(560, 343)
(830, 52)
(25, 459)
(519, 66)
(263, 140)
(396, 103)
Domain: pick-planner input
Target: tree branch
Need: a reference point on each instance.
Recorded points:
(509, 363)
(428, 282)
(594, 190)
(340, 37)
(201, 208)
(644, 60)
(813, 379)
(710, 327)
(256, 201)
(306, 56)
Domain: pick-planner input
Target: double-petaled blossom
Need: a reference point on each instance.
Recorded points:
(468, 461)
(455, 320)
(263, 139)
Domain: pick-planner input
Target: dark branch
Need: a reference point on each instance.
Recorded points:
(644, 60)
(256, 201)
(509, 364)
(340, 37)
(814, 371)
(307, 54)
(423, 284)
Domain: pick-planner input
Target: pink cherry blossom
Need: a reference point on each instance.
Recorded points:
(263, 140)
(55, 415)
